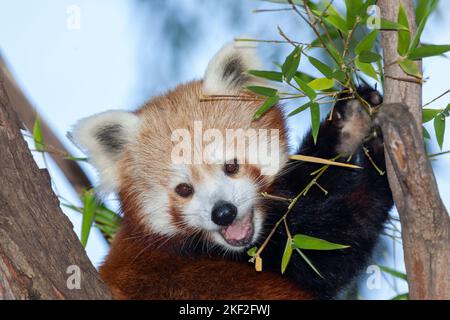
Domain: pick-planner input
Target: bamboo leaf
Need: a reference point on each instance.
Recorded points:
(269, 103)
(268, 75)
(425, 51)
(323, 161)
(426, 134)
(322, 67)
(410, 67)
(439, 128)
(311, 265)
(300, 109)
(315, 120)
(369, 56)
(262, 91)
(416, 40)
(301, 241)
(403, 296)
(367, 42)
(366, 68)
(37, 136)
(394, 272)
(421, 8)
(390, 25)
(287, 254)
(404, 36)
(252, 251)
(353, 7)
(291, 63)
(89, 208)
(429, 114)
(334, 18)
(310, 92)
(321, 84)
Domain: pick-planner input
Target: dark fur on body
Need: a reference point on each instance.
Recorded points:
(352, 213)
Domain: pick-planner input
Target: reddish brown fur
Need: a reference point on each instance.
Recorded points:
(143, 265)
(149, 267)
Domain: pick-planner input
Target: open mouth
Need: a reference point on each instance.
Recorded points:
(240, 233)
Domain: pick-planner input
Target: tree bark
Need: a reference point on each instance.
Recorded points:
(27, 114)
(424, 219)
(37, 243)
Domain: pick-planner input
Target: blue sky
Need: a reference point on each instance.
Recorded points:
(70, 74)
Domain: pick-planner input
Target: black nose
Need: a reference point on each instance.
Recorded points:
(223, 213)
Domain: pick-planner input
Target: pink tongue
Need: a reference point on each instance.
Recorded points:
(238, 230)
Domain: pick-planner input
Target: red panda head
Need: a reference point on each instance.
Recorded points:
(186, 165)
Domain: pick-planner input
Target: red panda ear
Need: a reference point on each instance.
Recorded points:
(104, 137)
(227, 71)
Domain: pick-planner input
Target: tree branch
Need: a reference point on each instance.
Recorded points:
(37, 243)
(27, 114)
(424, 219)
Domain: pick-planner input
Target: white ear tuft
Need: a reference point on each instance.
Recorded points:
(226, 72)
(104, 137)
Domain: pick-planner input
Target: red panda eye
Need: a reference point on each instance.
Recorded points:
(184, 190)
(231, 168)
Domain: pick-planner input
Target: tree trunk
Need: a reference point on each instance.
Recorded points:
(40, 255)
(424, 219)
(27, 114)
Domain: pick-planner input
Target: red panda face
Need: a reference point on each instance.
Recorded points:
(185, 165)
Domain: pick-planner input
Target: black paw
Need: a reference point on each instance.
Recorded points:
(352, 119)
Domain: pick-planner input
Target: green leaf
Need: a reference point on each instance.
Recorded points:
(369, 56)
(269, 75)
(353, 7)
(306, 88)
(333, 52)
(426, 134)
(287, 254)
(291, 63)
(367, 42)
(308, 262)
(394, 272)
(252, 251)
(404, 36)
(304, 76)
(425, 51)
(262, 91)
(439, 128)
(76, 158)
(89, 208)
(300, 109)
(340, 76)
(322, 67)
(416, 40)
(269, 103)
(421, 8)
(429, 114)
(366, 68)
(403, 296)
(410, 67)
(335, 19)
(321, 84)
(302, 241)
(315, 120)
(37, 136)
(390, 25)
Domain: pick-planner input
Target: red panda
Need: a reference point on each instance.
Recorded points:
(191, 199)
